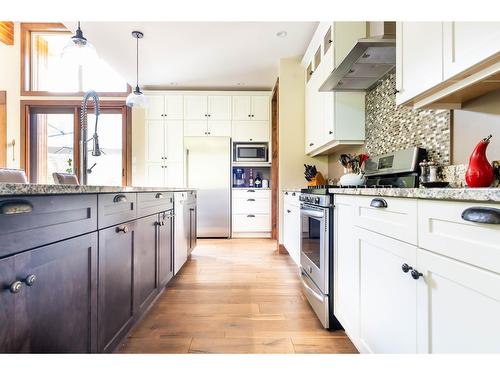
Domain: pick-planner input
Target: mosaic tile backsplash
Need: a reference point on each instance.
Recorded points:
(390, 128)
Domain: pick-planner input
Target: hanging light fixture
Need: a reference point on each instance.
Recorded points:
(79, 50)
(137, 98)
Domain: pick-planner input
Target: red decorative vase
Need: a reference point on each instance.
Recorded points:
(480, 171)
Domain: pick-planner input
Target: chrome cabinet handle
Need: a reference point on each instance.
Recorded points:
(159, 196)
(15, 207)
(120, 198)
(122, 228)
(16, 287)
(378, 203)
(483, 215)
(30, 280)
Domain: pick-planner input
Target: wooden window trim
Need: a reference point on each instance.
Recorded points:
(113, 105)
(7, 33)
(26, 29)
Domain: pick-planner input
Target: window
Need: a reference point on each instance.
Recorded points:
(46, 73)
(50, 141)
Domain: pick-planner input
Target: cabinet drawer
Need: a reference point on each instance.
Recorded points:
(393, 217)
(251, 223)
(291, 197)
(442, 230)
(46, 219)
(251, 193)
(251, 206)
(116, 208)
(151, 203)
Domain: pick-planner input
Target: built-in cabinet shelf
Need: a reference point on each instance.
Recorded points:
(445, 64)
(333, 119)
(172, 115)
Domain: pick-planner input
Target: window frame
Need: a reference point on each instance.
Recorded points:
(26, 83)
(64, 106)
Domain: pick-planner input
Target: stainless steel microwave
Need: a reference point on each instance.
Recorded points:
(250, 152)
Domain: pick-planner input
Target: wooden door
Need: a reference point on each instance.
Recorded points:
(155, 145)
(57, 313)
(242, 107)
(174, 107)
(260, 108)
(387, 295)
(165, 248)
(116, 283)
(7, 306)
(219, 107)
(458, 306)
(195, 107)
(146, 279)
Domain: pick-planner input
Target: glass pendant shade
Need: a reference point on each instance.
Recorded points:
(79, 51)
(136, 99)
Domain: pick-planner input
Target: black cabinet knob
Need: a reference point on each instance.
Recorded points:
(405, 267)
(415, 274)
(122, 228)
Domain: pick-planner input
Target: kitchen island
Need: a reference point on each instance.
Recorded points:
(80, 265)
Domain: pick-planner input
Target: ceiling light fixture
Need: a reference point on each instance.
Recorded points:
(136, 98)
(281, 34)
(79, 50)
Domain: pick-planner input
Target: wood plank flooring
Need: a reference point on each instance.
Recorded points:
(234, 296)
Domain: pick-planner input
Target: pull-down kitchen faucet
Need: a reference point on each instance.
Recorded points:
(96, 151)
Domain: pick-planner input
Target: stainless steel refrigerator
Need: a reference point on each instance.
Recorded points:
(208, 169)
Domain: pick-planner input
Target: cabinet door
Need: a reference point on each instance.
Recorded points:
(116, 284)
(180, 238)
(192, 227)
(7, 306)
(155, 174)
(458, 306)
(219, 107)
(156, 107)
(195, 128)
(174, 141)
(387, 295)
(219, 128)
(468, 43)
(57, 313)
(250, 131)
(174, 107)
(155, 150)
(260, 108)
(242, 107)
(195, 107)
(419, 50)
(165, 249)
(291, 231)
(346, 266)
(174, 175)
(146, 279)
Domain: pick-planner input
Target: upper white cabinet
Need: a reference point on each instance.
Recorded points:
(195, 107)
(419, 58)
(251, 107)
(219, 107)
(443, 64)
(467, 43)
(331, 118)
(250, 131)
(207, 115)
(164, 107)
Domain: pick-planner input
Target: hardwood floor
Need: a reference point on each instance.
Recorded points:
(234, 296)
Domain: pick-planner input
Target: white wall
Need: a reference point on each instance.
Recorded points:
(292, 155)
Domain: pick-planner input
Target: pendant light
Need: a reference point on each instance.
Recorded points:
(79, 50)
(137, 98)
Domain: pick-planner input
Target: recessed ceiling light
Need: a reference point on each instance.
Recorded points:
(173, 83)
(281, 34)
(241, 84)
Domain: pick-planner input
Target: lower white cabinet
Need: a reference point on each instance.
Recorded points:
(251, 213)
(291, 225)
(387, 295)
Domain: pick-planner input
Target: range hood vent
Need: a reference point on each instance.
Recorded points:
(368, 61)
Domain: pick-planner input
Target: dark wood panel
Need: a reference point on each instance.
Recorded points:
(7, 305)
(116, 208)
(57, 313)
(116, 284)
(152, 203)
(51, 219)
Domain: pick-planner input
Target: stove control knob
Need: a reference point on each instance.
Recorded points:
(316, 200)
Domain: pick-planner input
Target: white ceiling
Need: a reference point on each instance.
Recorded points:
(199, 54)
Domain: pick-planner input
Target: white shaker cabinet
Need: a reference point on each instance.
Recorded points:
(291, 225)
(163, 107)
(207, 115)
(419, 58)
(251, 107)
(468, 43)
(195, 107)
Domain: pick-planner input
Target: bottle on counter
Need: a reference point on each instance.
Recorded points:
(250, 178)
(258, 181)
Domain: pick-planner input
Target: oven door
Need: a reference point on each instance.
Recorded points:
(314, 244)
(318, 301)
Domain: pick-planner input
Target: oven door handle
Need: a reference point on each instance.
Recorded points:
(318, 214)
(316, 295)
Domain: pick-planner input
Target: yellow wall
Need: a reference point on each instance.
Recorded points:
(292, 155)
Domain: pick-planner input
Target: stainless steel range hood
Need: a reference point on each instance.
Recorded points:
(368, 61)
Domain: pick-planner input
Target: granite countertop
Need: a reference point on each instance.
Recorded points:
(452, 194)
(41, 189)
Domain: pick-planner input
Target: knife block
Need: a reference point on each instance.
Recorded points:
(317, 180)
